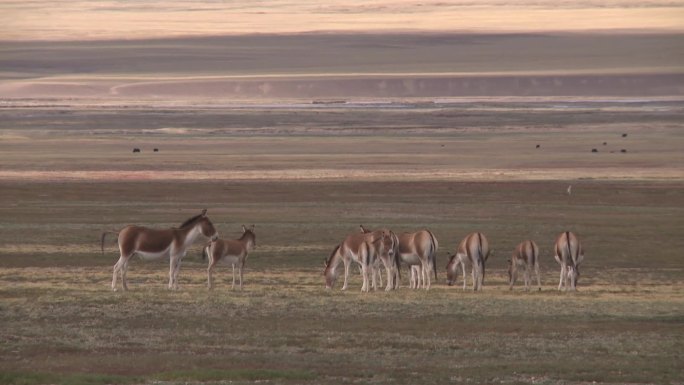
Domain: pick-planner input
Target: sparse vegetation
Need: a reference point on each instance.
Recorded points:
(62, 324)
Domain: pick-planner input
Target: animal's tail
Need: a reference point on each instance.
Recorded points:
(481, 257)
(102, 239)
(397, 260)
(433, 255)
(205, 251)
(567, 245)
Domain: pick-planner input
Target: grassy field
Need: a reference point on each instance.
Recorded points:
(308, 180)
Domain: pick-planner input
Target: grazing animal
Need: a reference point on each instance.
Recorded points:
(526, 255)
(538, 146)
(150, 244)
(569, 254)
(383, 250)
(623, 151)
(385, 257)
(359, 248)
(473, 249)
(136, 150)
(605, 143)
(624, 135)
(229, 251)
(594, 150)
(156, 150)
(418, 249)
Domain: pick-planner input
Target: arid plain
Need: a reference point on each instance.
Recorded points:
(307, 135)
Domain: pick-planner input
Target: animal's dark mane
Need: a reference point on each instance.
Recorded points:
(327, 263)
(191, 220)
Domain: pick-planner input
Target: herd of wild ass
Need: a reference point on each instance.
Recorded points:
(372, 250)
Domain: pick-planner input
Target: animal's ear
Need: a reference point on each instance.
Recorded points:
(244, 229)
(325, 262)
(204, 212)
(361, 228)
(252, 228)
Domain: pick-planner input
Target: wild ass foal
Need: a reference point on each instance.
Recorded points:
(150, 244)
(233, 252)
(362, 249)
(526, 255)
(569, 255)
(473, 249)
(383, 255)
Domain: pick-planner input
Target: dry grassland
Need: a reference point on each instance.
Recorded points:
(313, 176)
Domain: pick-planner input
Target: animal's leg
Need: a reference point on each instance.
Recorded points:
(389, 270)
(117, 267)
(428, 270)
(527, 277)
(240, 267)
(572, 276)
(172, 268)
(232, 287)
(473, 268)
(378, 274)
(514, 277)
(463, 269)
(346, 274)
(536, 271)
(364, 274)
(175, 273)
(562, 277)
(124, 269)
(209, 269)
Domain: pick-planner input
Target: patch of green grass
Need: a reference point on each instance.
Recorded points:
(235, 374)
(30, 378)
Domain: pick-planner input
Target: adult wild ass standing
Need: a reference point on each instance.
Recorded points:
(569, 255)
(362, 249)
(150, 244)
(473, 249)
(233, 252)
(419, 251)
(526, 255)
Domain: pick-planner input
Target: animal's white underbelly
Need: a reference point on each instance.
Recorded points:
(151, 256)
(411, 259)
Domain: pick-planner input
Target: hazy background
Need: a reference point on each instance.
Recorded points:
(125, 19)
(333, 49)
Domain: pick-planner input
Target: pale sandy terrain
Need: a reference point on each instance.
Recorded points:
(86, 20)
